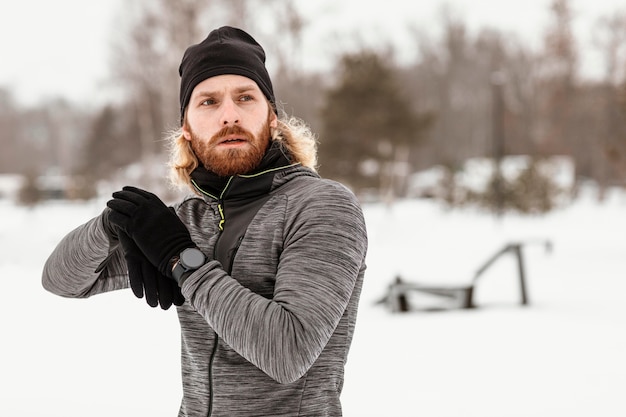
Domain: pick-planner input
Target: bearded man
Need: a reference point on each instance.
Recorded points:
(263, 259)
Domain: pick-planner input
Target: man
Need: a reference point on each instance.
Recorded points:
(264, 261)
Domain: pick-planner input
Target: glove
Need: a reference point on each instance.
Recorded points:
(109, 228)
(145, 278)
(156, 230)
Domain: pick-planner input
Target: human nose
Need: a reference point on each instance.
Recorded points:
(230, 115)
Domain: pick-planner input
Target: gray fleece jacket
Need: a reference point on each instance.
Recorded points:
(271, 337)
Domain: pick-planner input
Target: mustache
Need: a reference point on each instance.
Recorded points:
(231, 130)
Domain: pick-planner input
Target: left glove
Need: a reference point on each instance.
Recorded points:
(146, 279)
(157, 231)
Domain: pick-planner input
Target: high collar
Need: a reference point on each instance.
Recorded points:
(250, 185)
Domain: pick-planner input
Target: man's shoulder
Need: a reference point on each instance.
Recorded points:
(315, 186)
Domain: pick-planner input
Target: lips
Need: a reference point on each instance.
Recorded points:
(232, 141)
(231, 135)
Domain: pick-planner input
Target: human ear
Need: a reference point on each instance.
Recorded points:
(186, 132)
(273, 119)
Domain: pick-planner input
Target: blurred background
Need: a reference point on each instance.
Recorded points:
(464, 127)
(409, 99)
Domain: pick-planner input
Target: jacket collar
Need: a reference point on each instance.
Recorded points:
(254, 184)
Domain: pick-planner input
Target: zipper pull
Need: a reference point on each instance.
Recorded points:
(221, 210)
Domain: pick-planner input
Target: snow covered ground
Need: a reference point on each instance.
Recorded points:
(563, 355)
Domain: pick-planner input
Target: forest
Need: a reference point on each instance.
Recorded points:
(465, 96)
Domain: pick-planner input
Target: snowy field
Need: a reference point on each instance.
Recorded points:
(562, 355)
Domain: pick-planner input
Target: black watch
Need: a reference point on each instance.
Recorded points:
(190, 259)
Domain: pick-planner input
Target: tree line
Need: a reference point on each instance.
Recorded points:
(465, 95)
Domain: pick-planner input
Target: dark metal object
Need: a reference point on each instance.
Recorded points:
(396, 296)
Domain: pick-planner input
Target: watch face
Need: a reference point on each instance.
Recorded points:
(192, 258)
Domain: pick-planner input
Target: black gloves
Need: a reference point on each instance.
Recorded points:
(145, 278)
(157, 231)
(151, 234)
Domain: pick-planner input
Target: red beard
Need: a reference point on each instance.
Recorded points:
(228, 162)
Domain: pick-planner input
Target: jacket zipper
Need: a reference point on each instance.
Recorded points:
(220, 208)
(213, 352)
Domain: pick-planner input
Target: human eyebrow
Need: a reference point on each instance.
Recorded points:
(206, 94)
(245, 89)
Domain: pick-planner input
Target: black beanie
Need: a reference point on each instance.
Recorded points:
(226, 50)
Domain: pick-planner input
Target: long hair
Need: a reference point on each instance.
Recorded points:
(291, 132)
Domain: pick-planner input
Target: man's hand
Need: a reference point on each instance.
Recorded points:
(146, 279)
(156, 230)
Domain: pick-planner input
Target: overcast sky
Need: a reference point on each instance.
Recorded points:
(61, 47)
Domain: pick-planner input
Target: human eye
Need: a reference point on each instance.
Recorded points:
(246, 97)
(208, 102)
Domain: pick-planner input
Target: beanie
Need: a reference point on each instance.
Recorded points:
(226, 50)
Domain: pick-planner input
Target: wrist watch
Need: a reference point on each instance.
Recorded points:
(189, 260)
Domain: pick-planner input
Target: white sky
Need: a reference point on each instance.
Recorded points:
(61, 47)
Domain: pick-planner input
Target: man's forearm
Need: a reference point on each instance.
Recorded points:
(84, 263)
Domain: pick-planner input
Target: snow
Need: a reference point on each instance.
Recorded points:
(562, 355)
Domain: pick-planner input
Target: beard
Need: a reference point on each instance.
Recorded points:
(229, 162)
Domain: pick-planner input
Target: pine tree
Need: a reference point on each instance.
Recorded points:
(367, 125)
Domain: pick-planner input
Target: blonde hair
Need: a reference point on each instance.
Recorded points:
(291, 132)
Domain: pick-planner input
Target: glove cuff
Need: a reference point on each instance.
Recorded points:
(110, 229)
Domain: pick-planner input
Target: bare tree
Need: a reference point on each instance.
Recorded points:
(453, 79)
(558, 73)
(148, 51)
(9, 137)
(610, 37)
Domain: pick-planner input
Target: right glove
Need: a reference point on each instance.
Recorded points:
(146, 279)
(154, 227)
